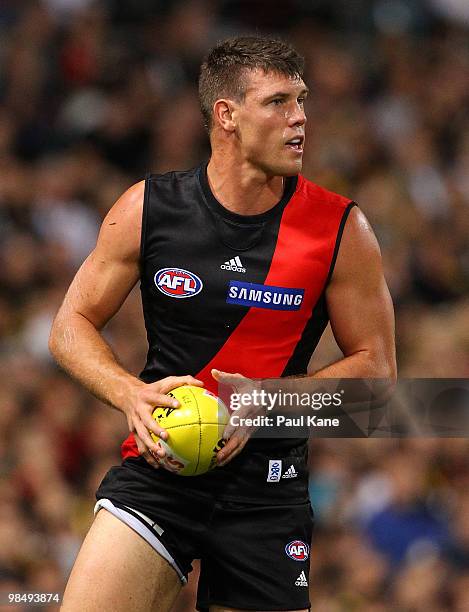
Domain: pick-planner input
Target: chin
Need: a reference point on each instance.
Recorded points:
(291, 168)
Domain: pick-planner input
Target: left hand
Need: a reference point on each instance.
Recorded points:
(237, 436)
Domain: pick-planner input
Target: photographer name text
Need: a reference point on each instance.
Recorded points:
(283, 421)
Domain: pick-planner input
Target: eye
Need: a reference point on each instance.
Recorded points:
(301, 101)
(277, 101)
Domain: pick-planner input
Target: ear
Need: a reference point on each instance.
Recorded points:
(223, 114)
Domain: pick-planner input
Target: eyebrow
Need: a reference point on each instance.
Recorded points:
(283, 94)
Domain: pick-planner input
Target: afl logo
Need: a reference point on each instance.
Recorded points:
(178, 283)
(297, 550)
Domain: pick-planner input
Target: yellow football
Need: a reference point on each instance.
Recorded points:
(194, 430)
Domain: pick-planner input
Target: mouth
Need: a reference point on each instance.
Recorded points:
(296, 143)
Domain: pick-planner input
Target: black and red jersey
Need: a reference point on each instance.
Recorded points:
(234, 292)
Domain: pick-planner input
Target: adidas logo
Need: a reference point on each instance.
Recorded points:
(301, 580)
(290, 473)
(235, 265)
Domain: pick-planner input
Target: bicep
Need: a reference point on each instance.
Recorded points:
(111, 270)
(99, 288)
(358, 300)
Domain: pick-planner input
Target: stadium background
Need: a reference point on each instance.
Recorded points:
(94, 94)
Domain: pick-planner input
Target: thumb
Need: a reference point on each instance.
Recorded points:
(227, 377)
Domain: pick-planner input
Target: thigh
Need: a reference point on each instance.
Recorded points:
(257, 558)
(175, 507)
(116, 570)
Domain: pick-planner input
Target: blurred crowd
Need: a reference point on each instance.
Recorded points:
(95, 94)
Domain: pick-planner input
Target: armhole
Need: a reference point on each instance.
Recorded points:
(338, 239)
(146, 204)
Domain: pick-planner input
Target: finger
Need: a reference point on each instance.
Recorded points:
(231, 456)
(160, 399)
(151, 459)
(152, 425)
(162, 434)
(195, 381)
(145, 453)
(138, 442)
(154, 446)
(236, 431)
(236, 381)
(146, 439)
(227, 377)
(234, 446)
(172, 382)
(157, 431)
(160, 453)
(229, 430)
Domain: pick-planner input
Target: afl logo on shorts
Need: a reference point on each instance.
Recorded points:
(178, 283)
(297, 550)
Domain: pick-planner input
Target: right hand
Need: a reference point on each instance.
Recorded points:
(143, 400)
(237, 436)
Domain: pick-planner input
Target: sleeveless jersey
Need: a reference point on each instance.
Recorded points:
(234, 292)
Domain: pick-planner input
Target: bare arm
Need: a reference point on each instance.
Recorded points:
(94, 296)
(360, 307)
(96, 293)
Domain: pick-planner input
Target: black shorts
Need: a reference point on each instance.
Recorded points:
(250, 523)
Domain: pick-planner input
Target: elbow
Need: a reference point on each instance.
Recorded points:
(390, 381)
(382, 363)
(388, 377)
(393, 376)
(391, 371)
(54, 344)
(382, 369)
(387, 370)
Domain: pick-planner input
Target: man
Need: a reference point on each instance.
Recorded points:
(246, 220)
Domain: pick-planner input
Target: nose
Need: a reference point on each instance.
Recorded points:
(297, 115)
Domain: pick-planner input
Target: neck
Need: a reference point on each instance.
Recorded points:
(240, 187)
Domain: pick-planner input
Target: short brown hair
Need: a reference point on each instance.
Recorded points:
(223, 70)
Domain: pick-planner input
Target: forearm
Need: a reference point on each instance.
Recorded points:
(362, 364)
(80, 349)
(372, 379)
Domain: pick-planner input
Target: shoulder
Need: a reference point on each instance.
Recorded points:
(321, 195)
(127, 211)
(359, 249)
(122, 226)
(129, 205)
(358, 231)
(173, 176)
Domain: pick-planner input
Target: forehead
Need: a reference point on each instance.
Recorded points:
(261, 84)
